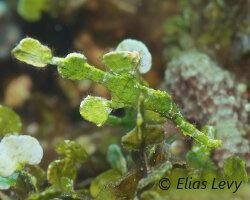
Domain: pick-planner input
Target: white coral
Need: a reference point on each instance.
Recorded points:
(18, 150)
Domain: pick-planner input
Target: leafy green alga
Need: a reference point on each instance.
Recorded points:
(33, 52)
(200, 156)
(72, 150)
(125, 88)
(152, 134)
(156, 175)
(95, 109)
(235, 169)
(102, 180)
(26, 183)
(66, 167)
(10, 122)
(31, 10)
(121, 61)
(122, 188)
(116, 158)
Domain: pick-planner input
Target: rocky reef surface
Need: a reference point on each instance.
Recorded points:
(209, 95)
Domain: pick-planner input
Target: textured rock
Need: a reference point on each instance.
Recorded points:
(207, 94)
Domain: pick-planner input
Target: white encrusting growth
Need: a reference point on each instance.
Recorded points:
(137, 46)
(16, 151)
